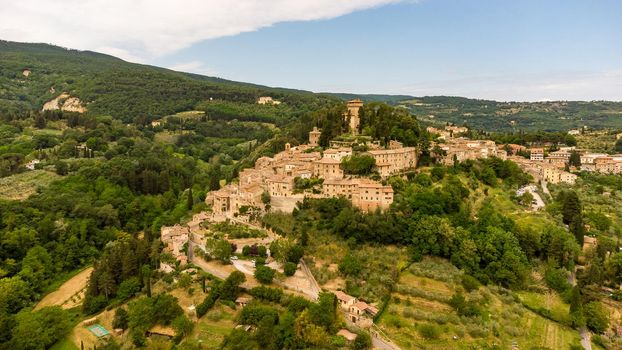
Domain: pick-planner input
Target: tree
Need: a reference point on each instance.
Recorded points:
(264, 274)
(350, 266)
(358, 164)
(120, 319)
(37, 267)
(576, 307)
(183, 326)
(295, 253)
(265, 198)
(557, 279)
(230, 287)
(596, 317)
(489, 177)
(51, 324)
(219, 249)
(575, 159)
(146, 273)
(61, 168)
(324, 312)
(190, 201)
(289, 268)
(15, 294)
(362, 341)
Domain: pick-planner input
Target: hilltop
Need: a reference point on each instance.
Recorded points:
(33, 74)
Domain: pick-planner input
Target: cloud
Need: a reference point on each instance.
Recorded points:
(143, 29)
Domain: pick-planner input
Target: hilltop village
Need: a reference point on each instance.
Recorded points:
(309, 171)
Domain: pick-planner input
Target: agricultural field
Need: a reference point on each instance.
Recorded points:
(419, 314)
(21, 186)
(601, 141)
(70, 293)
(214, 326)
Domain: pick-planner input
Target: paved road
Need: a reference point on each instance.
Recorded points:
(379, 343)
(536, 196)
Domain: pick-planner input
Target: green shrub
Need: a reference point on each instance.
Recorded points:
(470, 283)
(264, 274)
(290, 268)
(429, 331)
(120, 319)
(362, 342)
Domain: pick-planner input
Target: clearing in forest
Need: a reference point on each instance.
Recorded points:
(70, 293)
(21, 186)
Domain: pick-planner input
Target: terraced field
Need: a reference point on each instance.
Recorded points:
(21, 186)
(421, 302)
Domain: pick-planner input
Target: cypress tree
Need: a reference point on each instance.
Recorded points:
(190, 202)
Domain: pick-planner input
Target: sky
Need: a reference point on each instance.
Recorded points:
(508, 50)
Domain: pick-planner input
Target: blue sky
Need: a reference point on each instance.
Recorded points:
(505, 50)
(489, 49)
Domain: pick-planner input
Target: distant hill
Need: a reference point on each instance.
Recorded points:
(107, 85)
(391, 99)
(111, 86)
(517, 116)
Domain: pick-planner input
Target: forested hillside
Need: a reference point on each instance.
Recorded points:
(495, 116)
(517, 116)
(110, 86)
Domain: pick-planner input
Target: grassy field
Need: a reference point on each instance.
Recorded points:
(420, 303)
(70, 293)
(214, 326)
(550, 301)
(21, 186)
(64, 344)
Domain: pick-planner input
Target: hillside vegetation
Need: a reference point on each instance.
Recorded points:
(111, 86)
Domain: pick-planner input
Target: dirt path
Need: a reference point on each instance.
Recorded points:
(63, 295)
(223, 271)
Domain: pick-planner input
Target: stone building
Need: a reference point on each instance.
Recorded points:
(554, 175)
(536, 154)
(461, 149)
(338, 153)
(327, 168)
(353, 113)
(314, 137)
(395, 160)
(174, 239)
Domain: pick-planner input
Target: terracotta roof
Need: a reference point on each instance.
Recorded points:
(328, 161)
(343, 296)
(361, 305)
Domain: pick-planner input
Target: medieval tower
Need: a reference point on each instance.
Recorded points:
(353, 111)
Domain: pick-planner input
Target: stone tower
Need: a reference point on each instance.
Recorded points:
(353, 110)
(314, 137)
